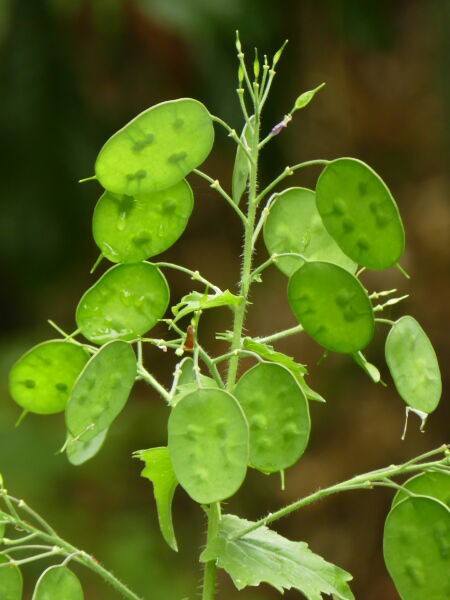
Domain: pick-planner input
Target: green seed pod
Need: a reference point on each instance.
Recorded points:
(359, 212)
(129, 229)
(126, 302)
(101, 391)
(294, 225)
(413, 365)
(208, 444)
(416, 549)
(278, 416)
(157, 149)
(58, 582)
(11, 581)
(42, 379)
(435, 484)
(79, 451)
(332, 306)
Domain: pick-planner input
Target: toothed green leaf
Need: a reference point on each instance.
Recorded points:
(197, 301)
(265, 556)
(158, 469)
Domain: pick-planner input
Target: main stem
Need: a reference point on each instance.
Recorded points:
(246, 280)
(210, 572)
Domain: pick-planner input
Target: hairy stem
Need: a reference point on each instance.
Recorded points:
(210, 573)
(209, 578)
(148, 377)
(39, 528)
(359, 482)
(286, 173)
(246, 279)
(215, 185)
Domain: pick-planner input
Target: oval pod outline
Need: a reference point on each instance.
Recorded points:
(208, 444)
(332, 306)
(359, 212)
(161, 136)
(277, 412)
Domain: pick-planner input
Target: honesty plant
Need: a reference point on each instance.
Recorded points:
(222, 421)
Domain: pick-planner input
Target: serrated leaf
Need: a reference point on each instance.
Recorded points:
(267, 352)
(241, 170)
(305, 98)
(265, 556)
(158, 469)
(198, 301)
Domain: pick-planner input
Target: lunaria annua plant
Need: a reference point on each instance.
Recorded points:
(223, 422)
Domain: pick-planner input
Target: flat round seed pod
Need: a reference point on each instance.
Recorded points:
(413, 365)
(101, 391)
(42, 379)
(126, 302)
(208, 444)
(434, 484)
(332, 306)
(129, 229)
(295, 225)
(11, 581)
(360, 213)
(58, 582)
(157, 149)
(416, 548)
(277, 414)
(80, 451)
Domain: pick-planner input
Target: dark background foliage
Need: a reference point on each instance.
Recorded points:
(71, 73)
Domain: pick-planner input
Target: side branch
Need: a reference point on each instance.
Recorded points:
(380, 477)
(215, 185)
(286, 173)
(36, 527)
(234, 136)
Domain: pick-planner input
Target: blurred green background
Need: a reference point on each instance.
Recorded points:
(74, 71)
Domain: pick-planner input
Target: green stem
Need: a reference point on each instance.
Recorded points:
(59, 546)
(148, 377)
(246, 280)
(210, 573)
(234, 136)
(240, 351)
(92, 564)
(286, 173)
(215, 185)
(387, 321)
(364, 481)
(240, 93)
(209, 579)
(210, 363)
(273, 259)
(280, 334)
(195, 275)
